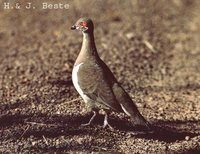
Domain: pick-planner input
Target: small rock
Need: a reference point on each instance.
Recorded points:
(58, 112)
(66, 67)
(33, 143)
(187, 138)
(130, 35)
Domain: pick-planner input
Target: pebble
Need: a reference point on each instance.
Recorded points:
(187, 138)
(130, 35)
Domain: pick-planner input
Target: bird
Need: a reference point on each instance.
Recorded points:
(96, 84)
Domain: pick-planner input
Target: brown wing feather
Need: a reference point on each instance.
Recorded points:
(129, 106)
(96, 86)
(124, 99)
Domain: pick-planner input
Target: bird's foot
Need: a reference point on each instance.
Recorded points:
(105, 123)
(91, 119)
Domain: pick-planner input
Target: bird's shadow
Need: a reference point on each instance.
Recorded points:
(62, 125)
(167, 131)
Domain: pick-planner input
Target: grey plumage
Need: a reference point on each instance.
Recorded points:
(96, 83)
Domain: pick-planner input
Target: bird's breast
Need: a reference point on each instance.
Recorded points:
(75, 78)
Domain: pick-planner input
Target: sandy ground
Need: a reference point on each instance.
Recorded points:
(153, 49)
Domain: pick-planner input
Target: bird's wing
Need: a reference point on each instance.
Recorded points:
(128, 106)
(123, 99)
(99, 84)
(96, 86)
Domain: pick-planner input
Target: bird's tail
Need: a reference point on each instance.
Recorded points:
(129, 107)
(138, 120)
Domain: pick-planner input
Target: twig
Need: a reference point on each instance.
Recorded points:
(148, 45)
(45, 140)
(41, 124)
(25, 131)
(73, 100)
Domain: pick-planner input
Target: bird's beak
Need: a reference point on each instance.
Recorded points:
(81, 28)
(73, 27)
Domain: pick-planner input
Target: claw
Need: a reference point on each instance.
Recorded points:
(91, 119)
(105, 122)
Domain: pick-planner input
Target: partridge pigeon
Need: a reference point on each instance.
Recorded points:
(96, 83)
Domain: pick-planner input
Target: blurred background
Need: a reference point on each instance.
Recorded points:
(152, 47)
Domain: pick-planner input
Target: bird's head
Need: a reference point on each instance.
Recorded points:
(83, 24)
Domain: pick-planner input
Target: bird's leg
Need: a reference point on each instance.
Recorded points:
(105, 122)
(91, 119)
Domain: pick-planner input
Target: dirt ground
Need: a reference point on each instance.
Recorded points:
(153, 49)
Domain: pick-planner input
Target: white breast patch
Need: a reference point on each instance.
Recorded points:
(75, 82)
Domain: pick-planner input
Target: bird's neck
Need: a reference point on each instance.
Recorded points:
(88, 44)
(88, 49)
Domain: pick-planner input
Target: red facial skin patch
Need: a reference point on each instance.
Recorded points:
(84, 24)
